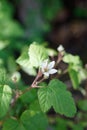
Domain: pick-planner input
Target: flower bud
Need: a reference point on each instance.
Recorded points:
(16, 77)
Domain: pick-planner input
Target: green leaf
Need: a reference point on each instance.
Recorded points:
(24, 62)
(13, 124)
(77, 75)
(75, 69)
(3, 78)
(69, 58)
(37, 54)
(24, 57)
(29, 120)
(74, 78)
(61, 124)
(29, 96)
(44, 98)
(77, 127)
(55, 95)
(82, 104)
(5, 98)
(63, 102)
(33, 120)
(45, 94)
(51, 52)
(35, 106)
(12, 66)
(82, 75)
(3, 44)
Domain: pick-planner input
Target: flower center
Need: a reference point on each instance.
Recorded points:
(45, 69)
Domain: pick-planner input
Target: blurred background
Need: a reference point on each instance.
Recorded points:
(55, 21)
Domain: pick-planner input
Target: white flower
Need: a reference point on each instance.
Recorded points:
(60, 48)
(47, 68)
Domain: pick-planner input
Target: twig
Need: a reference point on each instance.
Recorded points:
(60, 56)
(40, 81)
(37, 77)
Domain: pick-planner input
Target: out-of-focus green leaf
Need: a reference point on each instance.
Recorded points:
(3, 77)
(69, 58)
(51, 52)
(12, 66)
(51, 10)
(12, 124)
(80, 12)
(78, 127)
(24, 62)
(37, 54)
(61, 124)
(34, 120)
(75, 68)
(5, 98)
(6, 10)
(74, 78)
(82, 75)
(82, 104)
(3, 44)
(28, 97)
(9, 28)
(35, 106)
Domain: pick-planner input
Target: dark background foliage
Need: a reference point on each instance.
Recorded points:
(56, 21)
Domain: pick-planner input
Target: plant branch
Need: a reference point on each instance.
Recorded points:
(37, 77)
(60, 56)
(40, 81)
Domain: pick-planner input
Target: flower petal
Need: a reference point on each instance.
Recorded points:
(51, 65)
(46, 74)
(44, 64)
(60, 48)
(52, 71)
